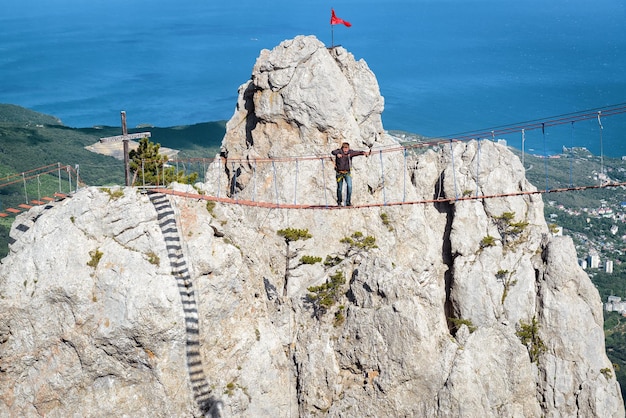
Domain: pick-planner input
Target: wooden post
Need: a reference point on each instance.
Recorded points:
(125, 142)
(125, 137)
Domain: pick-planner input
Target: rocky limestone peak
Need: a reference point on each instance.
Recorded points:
(123, 303)
(303, 100)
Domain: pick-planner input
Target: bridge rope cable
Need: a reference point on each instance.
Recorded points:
(502, 130)
(455, 199)
(601, 146)
(610, 110)
(571, 157)
(545, 153)
(478, 170)
(19, 178)
(456, 193)
(382, 174)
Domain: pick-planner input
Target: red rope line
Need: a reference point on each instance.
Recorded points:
(251, 203)
(10, 176)
(34, 176)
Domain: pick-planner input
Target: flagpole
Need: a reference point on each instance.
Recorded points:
(332, 36)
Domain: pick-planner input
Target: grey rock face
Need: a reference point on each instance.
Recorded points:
(120, 305)
(303, 99)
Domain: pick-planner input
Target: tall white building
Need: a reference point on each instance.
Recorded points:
(593, 261)
(608, 266)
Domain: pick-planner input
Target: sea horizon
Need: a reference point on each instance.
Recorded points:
(442, 67)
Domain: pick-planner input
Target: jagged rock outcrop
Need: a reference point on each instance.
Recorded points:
(182, 311)
(304, 99)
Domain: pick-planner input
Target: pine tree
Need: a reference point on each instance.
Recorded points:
(149, 166)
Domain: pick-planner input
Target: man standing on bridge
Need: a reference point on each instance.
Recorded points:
(343, 164)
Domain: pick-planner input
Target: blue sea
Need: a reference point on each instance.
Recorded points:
(443, 66)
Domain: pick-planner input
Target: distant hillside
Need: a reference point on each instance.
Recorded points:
(201, 140)
(19, 115)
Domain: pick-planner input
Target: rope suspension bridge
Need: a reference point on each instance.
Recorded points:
(264, 172)
(68, 182)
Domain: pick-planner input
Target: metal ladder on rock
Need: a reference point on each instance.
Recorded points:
(208, 405)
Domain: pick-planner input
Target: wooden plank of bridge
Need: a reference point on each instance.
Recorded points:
(48, 199)
(13, 210)
(37, 202)
(3, 215)
(24, 206)
(60, 195)
(124, 138)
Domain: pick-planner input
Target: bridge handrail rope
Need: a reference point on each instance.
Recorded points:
(254, 174)
(404, 176)
(545, 153)
(571, 157)
(478, 168)
(35, 175)
(324, 177)
(295, 186)
(382, 174)
(456, 193)
(601, 147)
(275, 182)
(21, 176)
(18, 176)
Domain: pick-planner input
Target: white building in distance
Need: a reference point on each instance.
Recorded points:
(615, 304)
(593, 261)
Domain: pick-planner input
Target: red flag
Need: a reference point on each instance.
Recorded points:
(334, 20)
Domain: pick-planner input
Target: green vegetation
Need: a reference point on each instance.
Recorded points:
(458, 322)
(95, 255)
(324, 296)
(487, 241)
(291, 235)
(357, 243)
(504, 276)
(148, 166)
(309, 259)
(332, 261)
(340, 316)
(554, 228)
(528, 334)
(210, 207)
(114, 194)
(153, 258)
(615, 339)
(385, 219)
(508, 229)
(230, 389)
